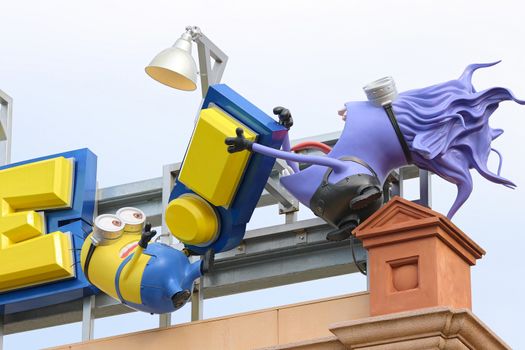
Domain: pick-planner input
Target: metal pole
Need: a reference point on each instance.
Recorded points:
(425, 188)
(88, 319)
(169, 173)
(6, 114)
(289, 218)
(164, 320)
(393, 185)
(197, 301)
(207, 50)
(204, 67)
(1, 331)
(88, 303)
(401, 185)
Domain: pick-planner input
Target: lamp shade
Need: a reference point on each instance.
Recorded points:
(175, 67)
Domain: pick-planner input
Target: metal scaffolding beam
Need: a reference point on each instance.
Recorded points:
(6, 115)
(269, 257)
(145, 195)
(295, 251)
(280, 255)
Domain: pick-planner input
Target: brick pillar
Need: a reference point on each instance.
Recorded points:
(420, 292)
(417, 259)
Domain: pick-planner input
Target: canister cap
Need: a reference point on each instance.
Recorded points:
(133, 219)
(382, 91)
(107, 228)
(192, 220)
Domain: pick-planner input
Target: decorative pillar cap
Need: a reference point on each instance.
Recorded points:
(401, 220)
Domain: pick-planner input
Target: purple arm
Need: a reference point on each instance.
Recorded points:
(286, 148)
(336, 164)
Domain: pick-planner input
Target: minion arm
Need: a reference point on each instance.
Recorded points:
(146, 236)
(286, 147)
(240, 143)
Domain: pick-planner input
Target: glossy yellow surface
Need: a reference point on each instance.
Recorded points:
(104, 265)
(208, 169)
(130, 281)
(29, 256)
(36, 261)
(192, 220)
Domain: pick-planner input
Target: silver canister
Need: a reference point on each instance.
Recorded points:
(107, 228)
(133, 219)
(382, 91)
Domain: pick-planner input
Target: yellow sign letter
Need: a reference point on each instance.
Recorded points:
(29, 256)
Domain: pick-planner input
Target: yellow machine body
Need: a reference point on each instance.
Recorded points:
(106, 261)
(192, 220)
(29, 256)
(208, 169)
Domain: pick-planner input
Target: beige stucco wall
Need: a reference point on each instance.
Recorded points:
(270, 327)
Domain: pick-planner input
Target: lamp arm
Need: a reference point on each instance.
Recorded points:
(207, 49)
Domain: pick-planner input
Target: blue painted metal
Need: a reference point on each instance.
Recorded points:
(233, 220)
(167, 272)
(78, 220)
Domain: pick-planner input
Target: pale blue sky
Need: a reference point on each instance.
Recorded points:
(76, 72)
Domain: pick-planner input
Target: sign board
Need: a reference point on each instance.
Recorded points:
(46, 211)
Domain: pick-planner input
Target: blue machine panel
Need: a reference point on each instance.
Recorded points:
(233, 220)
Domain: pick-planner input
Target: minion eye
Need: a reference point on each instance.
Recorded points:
(107, 228)
(133, 219)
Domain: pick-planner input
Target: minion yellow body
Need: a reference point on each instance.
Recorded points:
(118, 259)
(106, 262)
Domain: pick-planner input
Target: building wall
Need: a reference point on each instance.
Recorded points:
(270, 327)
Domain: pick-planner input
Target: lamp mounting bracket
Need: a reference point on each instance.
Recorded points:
(206, 50)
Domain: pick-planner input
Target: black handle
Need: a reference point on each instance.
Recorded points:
(239, 143)
(146, 236)
(285, 117)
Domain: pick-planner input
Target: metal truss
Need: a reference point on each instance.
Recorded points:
(6, 114)
(207, 50)
(294, 251)
(268, 257)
